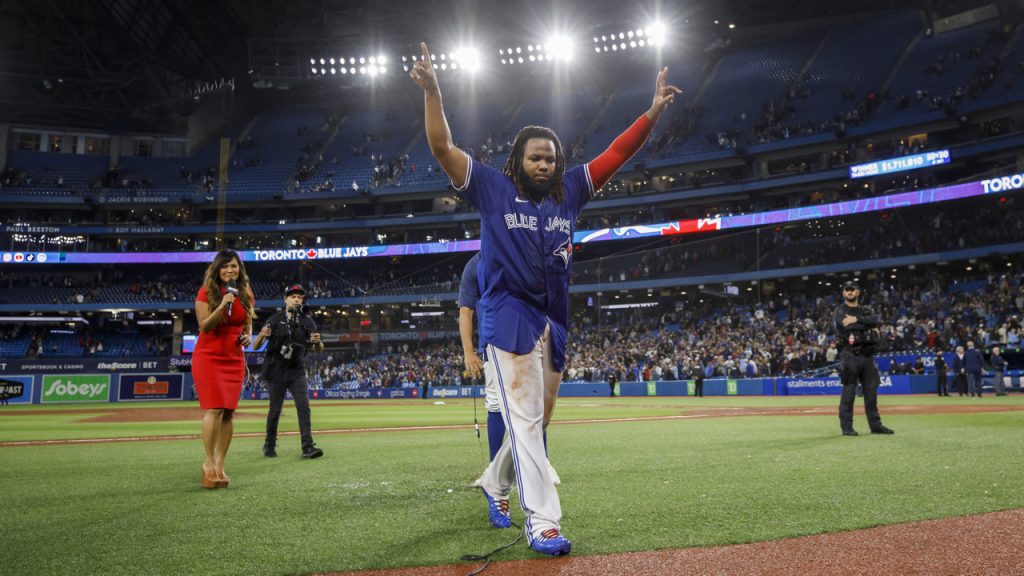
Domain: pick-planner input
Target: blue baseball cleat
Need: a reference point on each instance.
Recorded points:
(551, 542)
(497, 511)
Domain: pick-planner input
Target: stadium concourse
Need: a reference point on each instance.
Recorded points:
(814, 143)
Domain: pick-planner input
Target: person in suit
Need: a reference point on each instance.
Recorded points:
(999, 367)
(698, 378)
(940, 375)
(974, 364)
(959, 372)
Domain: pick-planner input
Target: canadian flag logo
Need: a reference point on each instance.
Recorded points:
(311, 253)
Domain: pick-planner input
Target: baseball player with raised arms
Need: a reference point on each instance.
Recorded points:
(528, 213)
(469, 299)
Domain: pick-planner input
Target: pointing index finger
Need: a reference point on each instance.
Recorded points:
(426, 53)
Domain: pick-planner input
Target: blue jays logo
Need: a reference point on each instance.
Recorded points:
(565, 251)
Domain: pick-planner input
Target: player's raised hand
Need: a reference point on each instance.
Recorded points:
(664, 94)
(423, 71)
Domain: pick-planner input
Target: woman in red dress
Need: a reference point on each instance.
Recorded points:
(225, 311)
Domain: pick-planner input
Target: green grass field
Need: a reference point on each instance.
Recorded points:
(381, 499)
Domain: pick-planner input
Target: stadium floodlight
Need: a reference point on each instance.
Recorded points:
(362, 60)
(597, 49)
(322, 61)
(381, 60)
(468, 58)
(344, 70)
(373, 59)
(312, 60)
(560, 47)
(362, 69)
(656, 32)
(372, 70)
(332, 61)
(314, 70)
(334, 71)
(404, 59)
(323, 71)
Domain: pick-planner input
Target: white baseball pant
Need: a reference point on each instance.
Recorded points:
(527, 389)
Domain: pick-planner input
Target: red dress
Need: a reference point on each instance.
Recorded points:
(218, 364)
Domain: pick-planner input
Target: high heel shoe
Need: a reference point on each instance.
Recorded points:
(223, 480)
(209, 481)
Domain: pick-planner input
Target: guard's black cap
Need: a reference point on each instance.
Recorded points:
(851, 284)
(295, 289)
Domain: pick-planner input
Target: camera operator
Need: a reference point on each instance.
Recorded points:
(857, 336)
(290, 333)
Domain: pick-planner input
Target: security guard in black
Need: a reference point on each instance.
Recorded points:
(290, 334)
(857, 339)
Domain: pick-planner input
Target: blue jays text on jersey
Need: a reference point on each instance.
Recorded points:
(525, 258)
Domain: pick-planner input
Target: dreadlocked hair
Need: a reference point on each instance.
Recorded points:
(514, 163)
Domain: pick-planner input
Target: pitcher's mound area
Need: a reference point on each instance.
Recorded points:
(919, 548)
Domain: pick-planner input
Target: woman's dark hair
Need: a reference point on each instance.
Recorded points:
(211, 280)
(514, 164)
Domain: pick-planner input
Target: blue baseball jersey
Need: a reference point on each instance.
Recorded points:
(469, 291)
(525, 258)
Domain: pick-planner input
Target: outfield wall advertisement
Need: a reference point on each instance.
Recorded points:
(139, 387)
(84, 365)
(17, 389)
(66, 388)
(342, 394)
(833, 386)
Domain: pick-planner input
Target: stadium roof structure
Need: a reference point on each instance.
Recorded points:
(122, 65)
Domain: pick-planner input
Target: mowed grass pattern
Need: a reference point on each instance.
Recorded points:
(382, 499)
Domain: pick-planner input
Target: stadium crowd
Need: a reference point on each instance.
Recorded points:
(787, 334)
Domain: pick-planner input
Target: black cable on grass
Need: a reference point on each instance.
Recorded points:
(486, 558)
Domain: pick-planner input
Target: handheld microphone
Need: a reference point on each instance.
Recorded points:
(232, 289)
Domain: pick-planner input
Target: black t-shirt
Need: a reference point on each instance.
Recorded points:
(286, 335)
